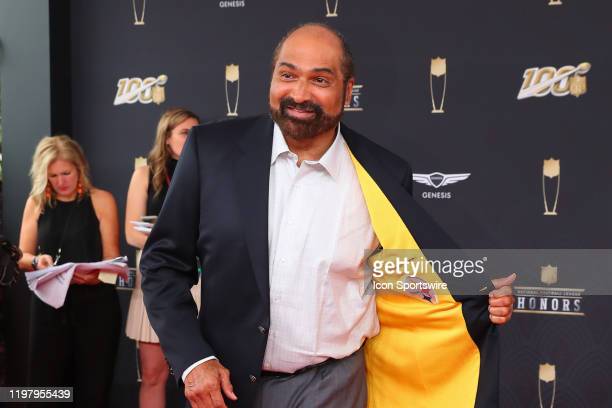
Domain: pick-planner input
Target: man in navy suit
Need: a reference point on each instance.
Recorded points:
(273, 207)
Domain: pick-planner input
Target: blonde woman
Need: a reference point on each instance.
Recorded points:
(146, 195)
(66, 219)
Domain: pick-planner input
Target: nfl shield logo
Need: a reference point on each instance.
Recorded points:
(547, 373)
(578, 85)
(549, 275)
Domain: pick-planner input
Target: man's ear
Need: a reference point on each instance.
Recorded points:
(348, 91)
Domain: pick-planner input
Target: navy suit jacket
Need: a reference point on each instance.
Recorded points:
(216, 209)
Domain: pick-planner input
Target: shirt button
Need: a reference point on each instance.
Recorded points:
(252, 378)
(262, 329)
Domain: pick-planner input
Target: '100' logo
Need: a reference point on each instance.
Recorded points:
(539, 82)
(132, 90)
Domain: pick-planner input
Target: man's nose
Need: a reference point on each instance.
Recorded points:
(300, 92)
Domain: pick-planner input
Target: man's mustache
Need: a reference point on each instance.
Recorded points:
(289, 102)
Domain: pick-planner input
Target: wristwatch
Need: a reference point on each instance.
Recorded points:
(35, 262)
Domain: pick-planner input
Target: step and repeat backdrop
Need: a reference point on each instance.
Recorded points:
(501, 107)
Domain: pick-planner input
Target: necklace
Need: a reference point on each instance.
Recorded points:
(58, 253)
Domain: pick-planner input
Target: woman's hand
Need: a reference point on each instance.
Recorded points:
(44, 261)
(85, 278)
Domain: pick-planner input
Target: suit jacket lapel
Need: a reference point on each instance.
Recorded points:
(425, 230)
(251, 177)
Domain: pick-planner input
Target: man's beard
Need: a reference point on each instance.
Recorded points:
(303, 128)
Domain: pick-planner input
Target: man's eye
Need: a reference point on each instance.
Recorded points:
(321, 81)
(286, 75)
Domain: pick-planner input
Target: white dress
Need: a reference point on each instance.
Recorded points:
(138, 326)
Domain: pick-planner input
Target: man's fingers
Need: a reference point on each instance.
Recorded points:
(503, 291)
(207, 380)
(206, 401)
(198, 398)
(500, 311)
(501, 301)
(498, 320)
(503, 287)
(217, 399)
(501, 282)
(500, 305)
(198, 392)
(226, 385)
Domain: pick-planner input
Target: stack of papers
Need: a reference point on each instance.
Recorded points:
(51, 284)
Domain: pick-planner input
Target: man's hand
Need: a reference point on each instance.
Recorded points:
(204, 383)
(501, 300)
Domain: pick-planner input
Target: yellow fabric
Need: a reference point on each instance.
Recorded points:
(424, 355)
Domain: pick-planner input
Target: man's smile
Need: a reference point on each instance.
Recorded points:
(300, 113)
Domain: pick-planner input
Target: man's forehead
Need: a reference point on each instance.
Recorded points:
(311, 47)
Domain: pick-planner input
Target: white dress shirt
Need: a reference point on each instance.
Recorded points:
(318, 231)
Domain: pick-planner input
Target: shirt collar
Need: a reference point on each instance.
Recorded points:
(279, 145)
(331, 159)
